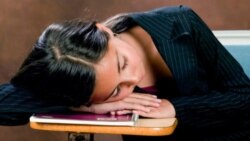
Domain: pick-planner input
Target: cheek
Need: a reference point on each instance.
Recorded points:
(132, 60)
(134, 57)
(98, 98)
(121, 96)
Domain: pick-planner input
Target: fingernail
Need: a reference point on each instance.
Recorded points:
(157, 104)
(135, 112)
(159, 100)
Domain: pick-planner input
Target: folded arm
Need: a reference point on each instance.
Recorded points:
(228, 97)
(17, 105)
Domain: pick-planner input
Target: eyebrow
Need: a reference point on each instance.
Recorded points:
(118, 62)
(118, 68)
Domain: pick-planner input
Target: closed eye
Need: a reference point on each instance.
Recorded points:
(116, 92)
(125, 63)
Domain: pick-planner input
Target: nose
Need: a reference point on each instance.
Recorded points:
(131, 80)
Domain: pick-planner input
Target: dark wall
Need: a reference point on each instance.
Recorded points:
(22, 21)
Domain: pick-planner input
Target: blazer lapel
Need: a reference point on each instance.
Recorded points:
(179, 56)
(172, 37)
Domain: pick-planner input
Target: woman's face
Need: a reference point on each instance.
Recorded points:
(118, 72)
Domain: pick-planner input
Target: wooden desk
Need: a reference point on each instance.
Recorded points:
(143, 127)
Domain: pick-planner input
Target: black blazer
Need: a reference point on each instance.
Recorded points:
(213, 90)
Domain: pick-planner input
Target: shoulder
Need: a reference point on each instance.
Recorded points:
(164, 11)
(167, 17)
(165, 22)
(6, 88)
(10, 90)
(171, 9)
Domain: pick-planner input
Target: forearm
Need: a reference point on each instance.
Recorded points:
(222, 93)
(14, 119)
(16, 105)
(214, 109)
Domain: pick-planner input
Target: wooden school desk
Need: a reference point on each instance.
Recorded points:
(143, 127)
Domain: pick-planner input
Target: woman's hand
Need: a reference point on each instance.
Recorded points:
(165, 110)
(134, 102)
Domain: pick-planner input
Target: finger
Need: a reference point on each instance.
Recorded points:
(144, 102)
(144, 114)
(123, 112)
(80, 109)
(143, 96)
(132, 106)
(113, 113)
(148, 97)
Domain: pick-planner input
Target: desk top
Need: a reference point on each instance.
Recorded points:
(144, 127)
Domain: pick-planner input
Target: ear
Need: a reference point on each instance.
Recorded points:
(104, 28)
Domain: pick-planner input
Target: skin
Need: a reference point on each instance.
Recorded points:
(127, 71)
(133, 60)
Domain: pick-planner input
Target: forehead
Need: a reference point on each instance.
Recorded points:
(106, 75)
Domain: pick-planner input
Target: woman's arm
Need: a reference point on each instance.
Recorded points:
(134, 102)
(17, 105)
(228, 98)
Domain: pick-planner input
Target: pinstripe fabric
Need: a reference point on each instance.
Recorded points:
(17, 105)
(213, 90)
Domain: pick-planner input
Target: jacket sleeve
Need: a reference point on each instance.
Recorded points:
(17, 105)
(228, 98)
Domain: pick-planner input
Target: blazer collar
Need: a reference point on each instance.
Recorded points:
(160, 25)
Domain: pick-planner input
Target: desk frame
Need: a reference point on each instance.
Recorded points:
(143, 127)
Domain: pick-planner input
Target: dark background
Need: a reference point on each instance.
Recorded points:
(22, 21)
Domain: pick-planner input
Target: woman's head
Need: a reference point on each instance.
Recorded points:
(60, 66)
(75, 63)
(118, 72)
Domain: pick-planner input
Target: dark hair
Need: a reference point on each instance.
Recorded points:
(120, 22)
(60, 66)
